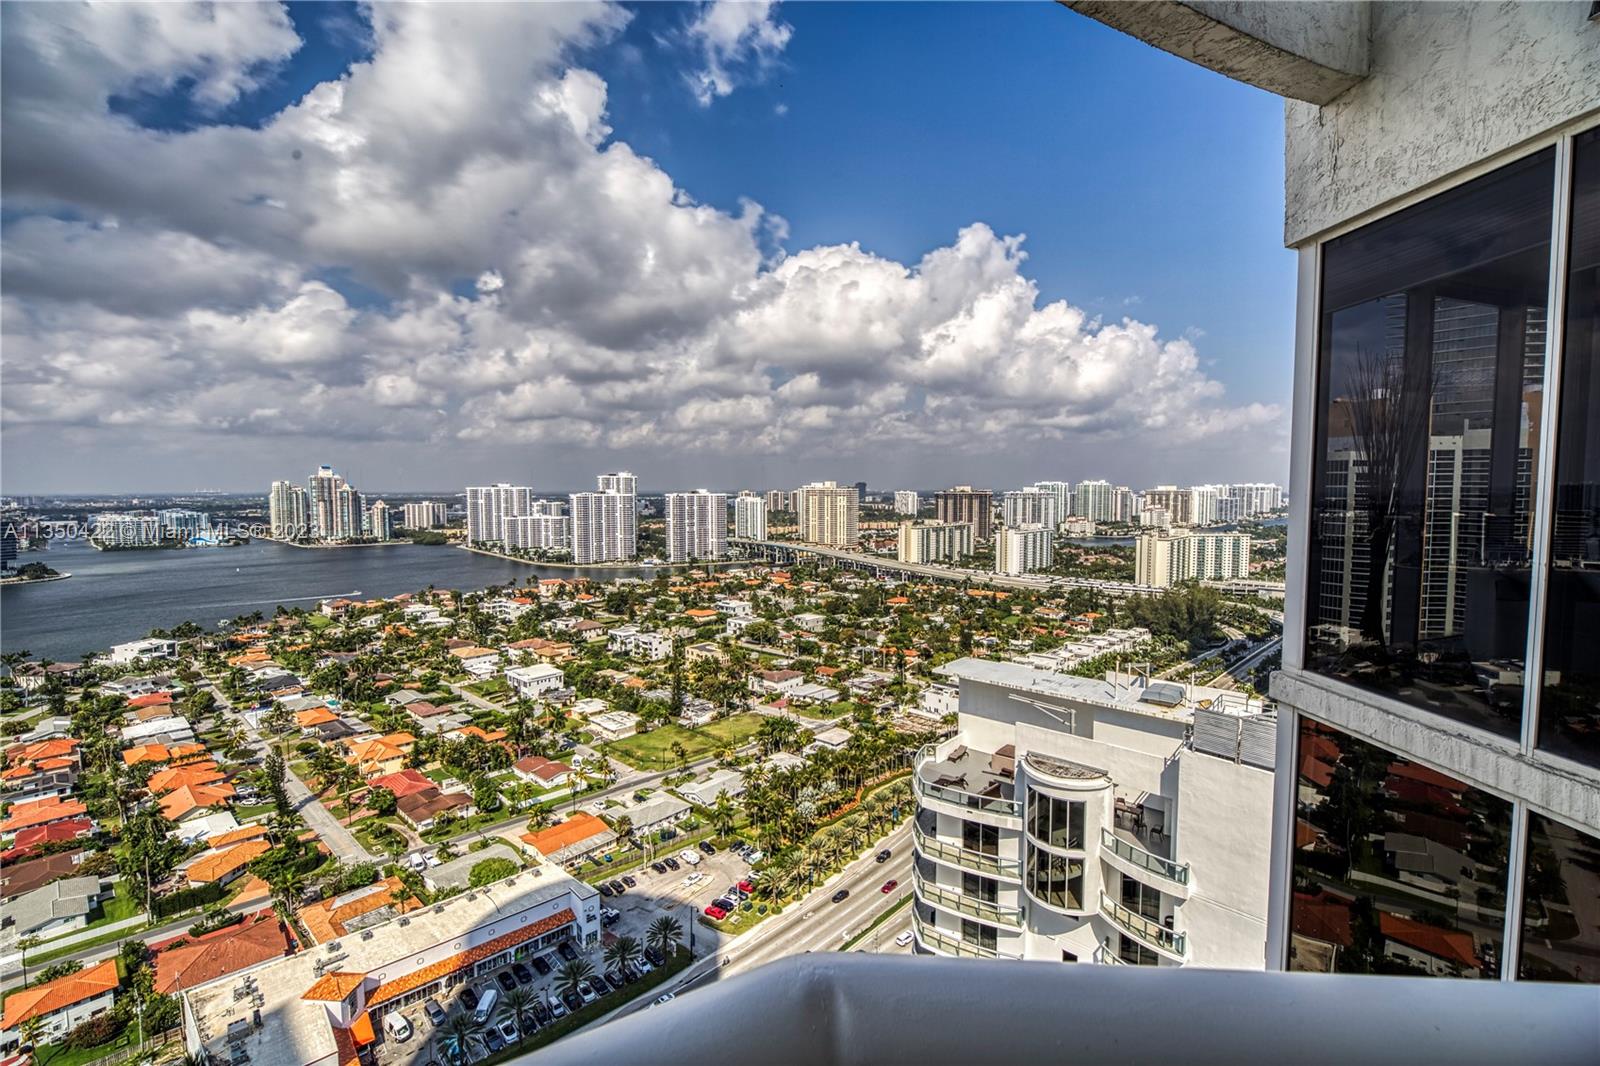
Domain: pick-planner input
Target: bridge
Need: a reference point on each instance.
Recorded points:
(787, 553)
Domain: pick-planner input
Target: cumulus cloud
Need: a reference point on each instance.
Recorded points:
(737, 40)
(538, 281)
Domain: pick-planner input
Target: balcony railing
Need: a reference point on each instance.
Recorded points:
(954, 900)
(972, 801)
(1178, 873)
(1147, 931)
(947, 944)
(1104, 956)
(966, 858)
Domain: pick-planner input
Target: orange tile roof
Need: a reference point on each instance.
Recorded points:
(217, 954)
(151, 699)
(334, 987)
(181, 801)
(475, 731)
(325, 921)
(429, 974)
(194, 773)
(62, 992)
(700, 612)
(361, 1030)
(215, 867)
(581, 826)
(43, 749)
(236, 836)
(41, 812)
(314, 716)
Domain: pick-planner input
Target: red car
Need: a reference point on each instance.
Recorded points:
(889, 886)
(716, 913)
(746, 887)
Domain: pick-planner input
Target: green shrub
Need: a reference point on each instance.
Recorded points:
(96, 1031)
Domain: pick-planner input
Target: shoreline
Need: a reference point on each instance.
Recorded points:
(332, 547)
(10, 581)
(630, 564)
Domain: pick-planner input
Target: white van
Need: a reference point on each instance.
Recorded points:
(486, 1006)
(397, 1026)
(690, 856)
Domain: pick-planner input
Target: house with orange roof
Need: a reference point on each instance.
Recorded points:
(40, 812)
(63, 1004)
(404, 783)
(61, 748)
(479, 662)
(348, 912)
(309, 720)
(236, 836)
(487, 735)
(150, 699)
(222, 866)
(575, 839)
(190, 801)
(162, 753)
(380, 755)
(191, 961)
(204, 772)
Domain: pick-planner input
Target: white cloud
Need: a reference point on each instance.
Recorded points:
(604, 307)
(737, 40)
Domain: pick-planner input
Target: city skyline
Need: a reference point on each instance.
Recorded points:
(287, 314)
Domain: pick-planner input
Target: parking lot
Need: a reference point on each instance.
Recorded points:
(682, 893)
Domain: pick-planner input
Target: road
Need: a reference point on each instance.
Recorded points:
(1248, 662)
(341, 842)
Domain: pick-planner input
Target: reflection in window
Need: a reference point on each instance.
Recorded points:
(1398, 868)
(1430, 380)
(1560, 904)
(1055, 880)
(1134, 953)
(1569, 714)
(984, 936)
(1056, 822)
(983, 839)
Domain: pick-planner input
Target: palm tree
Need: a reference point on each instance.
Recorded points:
(664, 934)
(723, 815)
(460, 1037)
(27, 944)
(519, 1001)
(624, 951)
(573, 974)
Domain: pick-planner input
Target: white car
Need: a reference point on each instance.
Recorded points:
(690, 856)
(903, 939)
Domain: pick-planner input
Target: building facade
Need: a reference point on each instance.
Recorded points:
(1169, 557)
(1023, 549)
(1442, 813)
(1031, 507)
(933, 542)
(488, 506)
(1095, 500)
(428, 514)
(829, 514)
(907, 502)
(750, 516)
(538, 532)
(1113, 821)
(697, 525)
(967, 504)
(605, 524)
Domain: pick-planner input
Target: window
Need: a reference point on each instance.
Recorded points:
(983, 936)
(1398, 868)
(986, 889)
(1067, 956)
(1429, 402)
(1134, 953)
(1561, 891)
(983, 839)
(1055, 880)
(1569, 712)
(1055, 822)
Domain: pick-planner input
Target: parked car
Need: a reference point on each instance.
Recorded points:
(572, 1000)
(541, 965)
(654, 956)
(486, 1005)
(605, 889)
(883, 856)
(715, 912)
(659, 867)
(708, 847)
(614, 979)
(672, 864)
(397, 1026)
(493, 1040)
(746, 886)
(903, 939)
(505, 980)
(558, 1009)
(541, 1012)
(618, 887)
(469, 997)
(725, 903)
(520, 971)
(435, 1013)
(586, 993)
(565, 950)
(841, 895)
(628, 880)
(598, 985)
(889, 886)
(690, 856)
(508, 1029)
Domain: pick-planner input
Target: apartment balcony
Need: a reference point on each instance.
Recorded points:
(951, 899)
(1122, 851)
(1104, 956)
(967, 784)
(943, 942)
(929, 846)
(854, 1009)
(1147, 931)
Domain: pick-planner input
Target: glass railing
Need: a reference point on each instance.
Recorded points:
(953, 899)
(1145, 930)
(1178, 873)
(945, 943)
(969, 800)
(966, 858)
(1104, 956)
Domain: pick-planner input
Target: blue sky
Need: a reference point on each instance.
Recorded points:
(511, 290)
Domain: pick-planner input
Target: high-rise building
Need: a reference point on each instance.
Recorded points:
(1075, 819)
(1203, 504)
(488, 506)
(829, 514)
(181, 526)
(428, 514)
(906, 501)
(322, 495)
(697, 525)
(967, 504)
(933, 542)
(349, 514)
(286, 511)
(605, 524)
(861, 494)
(1124, 504)
(779, 500)
(1094, 500)
(121, 529)
(539, 532)
(1255, 498)
(1171, 557)
(1171, 499)
(1030, 507)
(380, 521)
(1023, 549)
(750, 516)
(1061, 491)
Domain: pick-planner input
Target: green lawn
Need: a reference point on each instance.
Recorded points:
(489, 689)
(61, 1055)
(318, 621)
(653, 750)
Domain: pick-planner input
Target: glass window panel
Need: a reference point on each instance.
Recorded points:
(1398, 868)
(1430, 380)
(1560, 904)
(1569, 714)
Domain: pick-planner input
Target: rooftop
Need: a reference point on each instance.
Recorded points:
(1153, 698)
